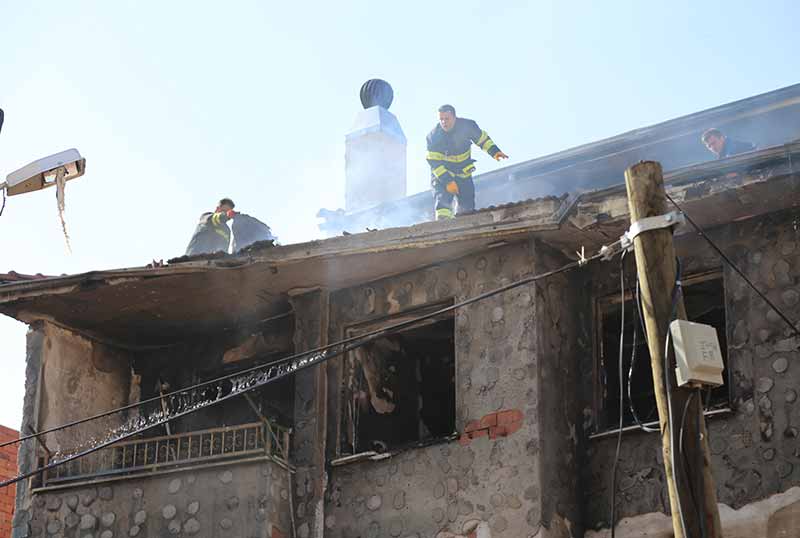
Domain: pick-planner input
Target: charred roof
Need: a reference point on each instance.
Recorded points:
(192, 296)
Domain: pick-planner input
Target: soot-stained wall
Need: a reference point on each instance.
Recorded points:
(79, 378)
(755, 449)
(511, 471)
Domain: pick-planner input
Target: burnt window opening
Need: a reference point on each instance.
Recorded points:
(704, 299)
(182, 368)
(400, 389)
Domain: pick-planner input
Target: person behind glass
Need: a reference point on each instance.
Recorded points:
(451, 162)
(723, 146)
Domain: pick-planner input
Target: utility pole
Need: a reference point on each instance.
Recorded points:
(655, 264)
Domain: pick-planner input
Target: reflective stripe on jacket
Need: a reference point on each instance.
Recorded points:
(451, 152)
(211, 235)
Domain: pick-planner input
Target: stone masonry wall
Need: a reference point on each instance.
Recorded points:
(756, 449)
(26, 459)
(246, 500)
(493, 480)
(308, 439)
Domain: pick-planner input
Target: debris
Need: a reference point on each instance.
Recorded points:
(60, 184)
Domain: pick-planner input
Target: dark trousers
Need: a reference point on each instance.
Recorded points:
(443, 200)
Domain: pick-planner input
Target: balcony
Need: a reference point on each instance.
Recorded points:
(245, 442)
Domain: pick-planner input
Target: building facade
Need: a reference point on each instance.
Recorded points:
(494, 419)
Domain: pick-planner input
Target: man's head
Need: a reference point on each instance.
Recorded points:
(447, 117)
(714, 140)
(225, 205)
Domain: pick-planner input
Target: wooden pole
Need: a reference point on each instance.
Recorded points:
(655, 264)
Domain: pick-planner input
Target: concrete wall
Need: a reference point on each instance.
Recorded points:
(756, 449)
(79, 378)
(247, 500)
(513, 355)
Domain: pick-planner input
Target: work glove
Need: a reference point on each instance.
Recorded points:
(500, 155)
(452, 187)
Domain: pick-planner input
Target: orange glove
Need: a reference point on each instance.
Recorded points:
(500, 155)
(452, 187)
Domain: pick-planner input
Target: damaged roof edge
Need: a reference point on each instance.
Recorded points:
(541, 215)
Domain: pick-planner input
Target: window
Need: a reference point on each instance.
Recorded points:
(400, 389)
(704, 300)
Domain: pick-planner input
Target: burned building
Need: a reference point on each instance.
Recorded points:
(493, 419)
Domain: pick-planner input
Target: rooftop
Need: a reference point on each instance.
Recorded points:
(767, 120)
(191, 296)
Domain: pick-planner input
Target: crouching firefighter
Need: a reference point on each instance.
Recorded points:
(212, 233)
(450, 157)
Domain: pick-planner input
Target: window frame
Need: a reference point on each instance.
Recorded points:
(600, 305)
(367, 325)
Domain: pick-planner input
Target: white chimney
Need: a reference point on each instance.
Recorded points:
(375, 151)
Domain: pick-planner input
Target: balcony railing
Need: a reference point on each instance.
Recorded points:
(174, 451)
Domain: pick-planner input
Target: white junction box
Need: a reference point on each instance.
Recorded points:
(698, 358)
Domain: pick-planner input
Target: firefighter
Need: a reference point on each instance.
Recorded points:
(450, 157)
(212, 233)
(723, 146)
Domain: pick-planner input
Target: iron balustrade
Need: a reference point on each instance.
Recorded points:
(174, 451)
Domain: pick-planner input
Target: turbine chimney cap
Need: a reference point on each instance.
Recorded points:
(376, 92)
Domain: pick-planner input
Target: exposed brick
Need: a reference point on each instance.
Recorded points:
(8, 469)
(493, 425)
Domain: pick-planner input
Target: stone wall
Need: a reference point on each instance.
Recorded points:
(246, 500)
(506, 475)
(308, 439)
(755, 450)
(26, 459)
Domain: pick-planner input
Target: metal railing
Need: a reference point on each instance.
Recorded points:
(179, 450)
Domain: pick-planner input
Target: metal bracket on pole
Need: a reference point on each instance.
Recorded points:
(673, 218)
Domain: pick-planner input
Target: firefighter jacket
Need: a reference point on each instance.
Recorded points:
(450, 153)
(211, 235)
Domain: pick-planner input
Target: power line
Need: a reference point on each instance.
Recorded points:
(366, 337)
(733, 266)
(284, 368)
(621, 395)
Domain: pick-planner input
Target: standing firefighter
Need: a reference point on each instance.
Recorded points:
(212, 233)
(450, 157)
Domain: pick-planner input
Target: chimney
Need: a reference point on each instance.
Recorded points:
(375, 151)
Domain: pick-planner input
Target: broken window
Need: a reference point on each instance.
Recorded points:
(400, 389)
(704, 300)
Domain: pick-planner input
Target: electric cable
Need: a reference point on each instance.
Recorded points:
(631, 405)
(733, 266)
(317, 355)
(366, 337)
(698, 418)
(685, 461)
(2, 207)
(621, 396)
(673, 309)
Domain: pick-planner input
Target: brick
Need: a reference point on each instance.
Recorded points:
(509, 416)
(489, 420)
(472, 425)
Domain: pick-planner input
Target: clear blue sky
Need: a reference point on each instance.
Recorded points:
(175, 104)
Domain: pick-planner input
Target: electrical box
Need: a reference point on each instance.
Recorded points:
(698, 357)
